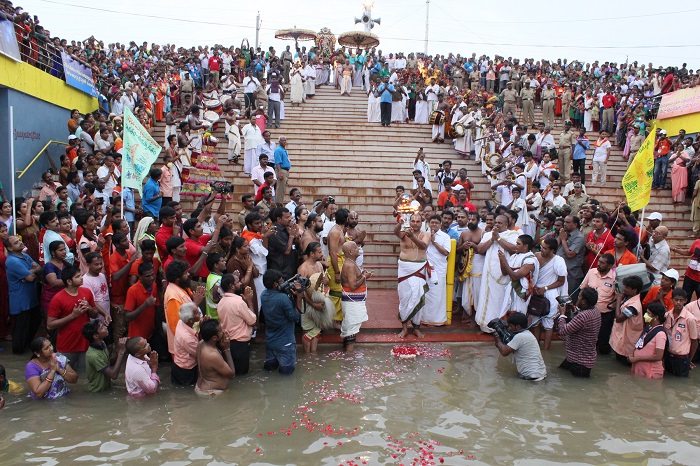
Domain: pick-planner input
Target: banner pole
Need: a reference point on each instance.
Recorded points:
(12, 169)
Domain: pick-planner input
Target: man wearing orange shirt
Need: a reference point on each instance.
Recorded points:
(662, 293)
(178, 293)
(120, 262)
(447, 194)
(622, 255)
(662, 151)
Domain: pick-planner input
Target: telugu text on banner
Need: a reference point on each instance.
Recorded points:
(140, 151)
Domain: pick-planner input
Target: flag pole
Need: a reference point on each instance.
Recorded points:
(641, 232)
(12, 168)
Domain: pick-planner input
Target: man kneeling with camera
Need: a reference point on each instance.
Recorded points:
(580, 325)
(517, 340)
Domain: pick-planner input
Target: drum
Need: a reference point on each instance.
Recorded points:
(436, 118)
(214, 106)
(458, 131)
(213, 118)
(224, 98)
(208, 95)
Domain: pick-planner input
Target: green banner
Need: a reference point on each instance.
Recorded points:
(139, 154)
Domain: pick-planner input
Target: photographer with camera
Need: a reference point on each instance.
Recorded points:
(280, 319)
(581, 330)
(522, 344)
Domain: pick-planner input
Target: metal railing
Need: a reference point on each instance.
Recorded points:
(20, 173)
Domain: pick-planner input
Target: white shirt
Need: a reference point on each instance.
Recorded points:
(274, 96)
(431, 96)
(111, 181)
(601, 151)
(257, 173)
(250, 84)
(252, 135)
(436, 259)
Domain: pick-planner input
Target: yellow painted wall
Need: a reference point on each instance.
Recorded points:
(690, 123)
(30, 80)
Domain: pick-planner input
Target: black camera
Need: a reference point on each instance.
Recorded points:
(565, 300)
(500, 327)
(222, 186)
(287, 286)
(331, 199)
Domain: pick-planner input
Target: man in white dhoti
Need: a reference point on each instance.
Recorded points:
(435, 311)
(492, 292)
(346, 79)
(422, 111)
(373, 107)
(471, 265)
(464, 145)
(310, 85)
(522, 268)
(233, 132)
(253, 138)
(413, 273)
(354, 296)
(296, 81)
(438, 134)
(431, 95)
(551, 282)
(397, 103)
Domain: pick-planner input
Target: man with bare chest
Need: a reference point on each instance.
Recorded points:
(413, 273)
(336, 258)
(356, 234)
(439, 129)
(471, 265)
(312, 268)
(354, 296)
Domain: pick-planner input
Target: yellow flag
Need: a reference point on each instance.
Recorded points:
(639, 176)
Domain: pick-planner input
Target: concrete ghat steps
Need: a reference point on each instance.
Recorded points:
(335, 151)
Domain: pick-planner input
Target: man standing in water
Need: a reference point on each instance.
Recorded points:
(354, 302)
(214, 370)
(413, 267)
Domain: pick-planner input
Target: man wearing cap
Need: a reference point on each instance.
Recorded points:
(510, 99)
(566, 97)
(527, 95)
(548, 96)
(663, 292)
(566, 148)
(662, 150)
(660, 256)
(654, 219)
(577, 198)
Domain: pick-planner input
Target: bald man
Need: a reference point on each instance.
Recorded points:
(660, 256)
(354, 299)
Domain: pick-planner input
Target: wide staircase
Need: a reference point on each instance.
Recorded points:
(335, 151)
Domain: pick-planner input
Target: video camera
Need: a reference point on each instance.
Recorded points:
(287, 286)
(565, 300)
(500, 327)
(222, 186)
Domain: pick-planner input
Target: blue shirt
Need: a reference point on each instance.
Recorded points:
(386, 90)
(453, 233)
(580, 152)
(151, 190)
(280, 317)
(24, 295)
(128, 198)
(282, 158)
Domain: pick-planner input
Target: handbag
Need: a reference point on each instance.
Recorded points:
(538, 306)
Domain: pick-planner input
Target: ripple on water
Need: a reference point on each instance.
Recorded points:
(22, 435)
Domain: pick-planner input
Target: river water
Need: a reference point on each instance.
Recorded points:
(455, 404)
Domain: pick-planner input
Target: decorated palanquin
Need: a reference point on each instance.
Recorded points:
(325, 41)
(197, 179)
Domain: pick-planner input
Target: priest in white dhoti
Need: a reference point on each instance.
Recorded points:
(422, 110)
(435, 312)
(346, 78)
(397, 106)
(233, 132)
(522, 270)
(310, 84)
(414, 273)
(551, 282)
(464, 145)
(354, 295)
(253, 138)
(374, 114)
(296, 81)
(492, 292)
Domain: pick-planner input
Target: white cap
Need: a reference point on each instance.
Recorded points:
(671, 273)
(663, 131)
(72, 136)
(655, 216)
(457, 187)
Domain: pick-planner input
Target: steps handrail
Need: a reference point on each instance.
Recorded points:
(20, 173)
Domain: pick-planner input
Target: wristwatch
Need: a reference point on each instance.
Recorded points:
(546, 288)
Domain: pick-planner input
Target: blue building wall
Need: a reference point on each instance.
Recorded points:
(35, 123)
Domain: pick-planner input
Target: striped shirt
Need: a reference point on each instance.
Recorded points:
(582, 335)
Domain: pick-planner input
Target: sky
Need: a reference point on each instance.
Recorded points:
(600, 30)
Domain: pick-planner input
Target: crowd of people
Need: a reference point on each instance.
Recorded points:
(95, 275)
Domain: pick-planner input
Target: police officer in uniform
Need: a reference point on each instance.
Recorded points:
(527, 95)
(548, 96)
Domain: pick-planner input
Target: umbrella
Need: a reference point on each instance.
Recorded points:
(358, 39)
(296, 34)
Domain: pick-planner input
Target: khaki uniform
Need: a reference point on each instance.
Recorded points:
(458, 76)
(576, 202)
(566, 104)
(515, 79)
(474, 77)
(527, 94)
(510, 99)
(566, 140)
(548, 96)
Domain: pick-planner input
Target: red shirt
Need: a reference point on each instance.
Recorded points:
(469, 207)
(609, 101)
(119, 287)
(258, 194)
(69, 338)
(144, 325)
(214, 64)
(194, 249)
(135, 266)
(162, 236)
(444, 197)
(662, 147)
(693, 270)
(606, 240)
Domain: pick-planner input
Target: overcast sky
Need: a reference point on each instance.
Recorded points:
(643, 30)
